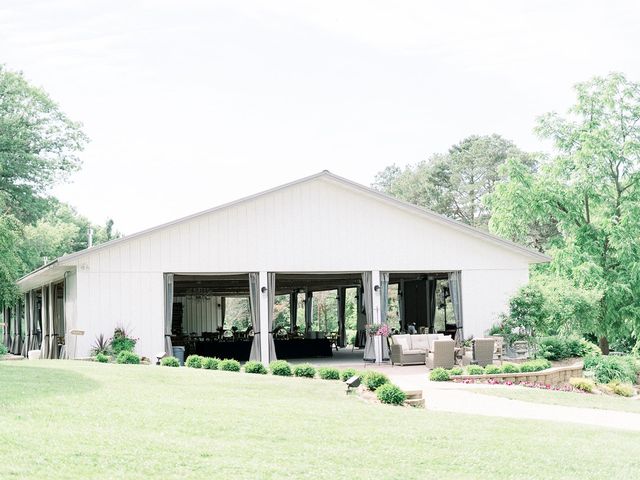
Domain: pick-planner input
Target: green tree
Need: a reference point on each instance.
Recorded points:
(589, 189)
(39, 146)
(454, 184)
(60, 230)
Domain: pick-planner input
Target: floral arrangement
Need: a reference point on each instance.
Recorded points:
(381, 329)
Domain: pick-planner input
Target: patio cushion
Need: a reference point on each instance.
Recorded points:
(413, 351)
(403, 340)
(420, 342)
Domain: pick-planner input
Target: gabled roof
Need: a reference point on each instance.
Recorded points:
(534, 255)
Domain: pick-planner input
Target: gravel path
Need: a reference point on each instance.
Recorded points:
(450, 397)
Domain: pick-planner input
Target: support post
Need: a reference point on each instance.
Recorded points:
(264, 319)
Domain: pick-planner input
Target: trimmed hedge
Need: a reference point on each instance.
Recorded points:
(492, 369)
(475, 370)
(170, 362)
(194, 361)
(455, 371)
(305, 370)
(128, 357)
(510, 368)
(535, 365)
(255, 367)
(280, 368)
(347, 373)
(439, 375)
(328, 373)
(374, 380)
(390, 394)
(229, 365)
(558, 348)
(210, 363)
(102, 358)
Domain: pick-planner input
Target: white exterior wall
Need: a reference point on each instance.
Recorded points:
(485, 295)
(314, 226)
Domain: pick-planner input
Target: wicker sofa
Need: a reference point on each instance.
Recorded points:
(411, 349)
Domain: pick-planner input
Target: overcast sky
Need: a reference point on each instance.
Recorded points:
(190, 104)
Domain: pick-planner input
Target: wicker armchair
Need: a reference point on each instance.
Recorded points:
(443, 354)
(483, 351)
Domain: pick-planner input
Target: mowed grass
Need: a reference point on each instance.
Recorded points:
(566, 399)
(80, 420)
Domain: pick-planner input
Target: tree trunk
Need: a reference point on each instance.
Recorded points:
(604, 345)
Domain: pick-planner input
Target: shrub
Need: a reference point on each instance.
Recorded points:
(374, 380)
(280, 368)
(194, 361)
(328, 373)
(492, 369)
(102, 358)
(510, 368)
(553, 348)
(584, 384)
(455, 371)
(439, 375)
(170, 362)
(210, 363)
(475, 370)
(607, 368)
(122, 342)
(100, 345)
(255, 367)
(304, 370)
(622, 389)
(128, 357)
(3, 349)
(229, 365)
(347, 373)
(390, 394)
(535, 365)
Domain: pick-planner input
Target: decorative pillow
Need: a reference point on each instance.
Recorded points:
(403, 340)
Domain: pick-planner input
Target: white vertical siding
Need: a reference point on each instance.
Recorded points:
(485, 295)
(316, 226)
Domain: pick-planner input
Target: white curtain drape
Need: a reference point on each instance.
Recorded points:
(369, 349)
(28, 315)
(384, 307)
(455, 290)
(44, 312)
(53, 340)
(342, 304)
(308, 313)
(6, 329)
(168, 313)
(254, 307)
(271, 292)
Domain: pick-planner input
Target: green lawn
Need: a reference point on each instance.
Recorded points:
(80, 420)
(567, 399)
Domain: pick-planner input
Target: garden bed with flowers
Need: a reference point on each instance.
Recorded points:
(535, 372)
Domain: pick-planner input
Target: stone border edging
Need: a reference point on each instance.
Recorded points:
(550, 376)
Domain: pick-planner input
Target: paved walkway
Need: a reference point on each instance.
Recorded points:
(452, 397)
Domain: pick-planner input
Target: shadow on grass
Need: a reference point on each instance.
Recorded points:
(20, 384)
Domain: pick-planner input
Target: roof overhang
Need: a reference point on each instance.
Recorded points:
(49, 273)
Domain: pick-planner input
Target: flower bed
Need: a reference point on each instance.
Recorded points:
(551, 376)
